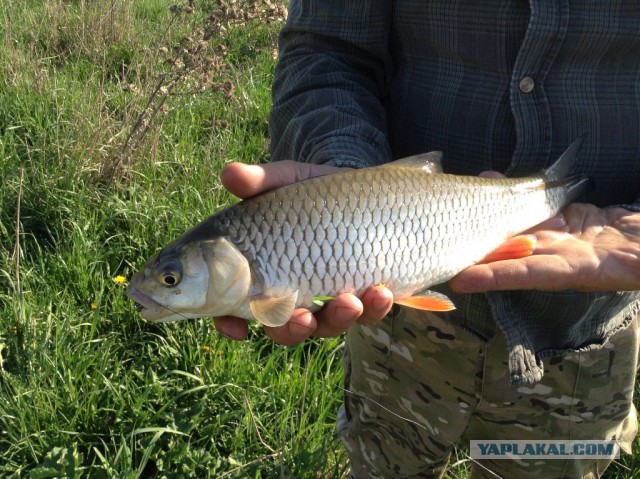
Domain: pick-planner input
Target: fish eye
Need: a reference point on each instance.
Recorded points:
(169, 278)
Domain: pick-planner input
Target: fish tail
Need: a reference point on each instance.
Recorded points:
(559, 174)
(563, 166)
(576, 185)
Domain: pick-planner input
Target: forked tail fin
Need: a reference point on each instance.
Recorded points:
(560, 172)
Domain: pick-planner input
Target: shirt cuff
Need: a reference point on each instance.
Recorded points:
(635, 206)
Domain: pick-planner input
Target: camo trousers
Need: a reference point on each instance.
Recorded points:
(449, 387)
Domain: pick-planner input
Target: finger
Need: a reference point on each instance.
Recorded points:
(491, 174)
(231, 327)
(377, 302)
(338, 315)
(585, 219)
(539, 272)
(558, 223)
(301, 325)
(245, 181)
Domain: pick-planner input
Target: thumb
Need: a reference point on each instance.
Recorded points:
(245, 181)
(491, 174)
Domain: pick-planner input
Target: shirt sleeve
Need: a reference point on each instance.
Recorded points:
(635, 206)
(330, 83)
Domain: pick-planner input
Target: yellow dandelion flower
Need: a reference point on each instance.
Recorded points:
(94, 306)
(206, 349)
(120, 279)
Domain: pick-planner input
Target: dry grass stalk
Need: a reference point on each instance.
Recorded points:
(196, 64)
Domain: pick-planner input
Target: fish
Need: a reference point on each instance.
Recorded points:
(406, 225)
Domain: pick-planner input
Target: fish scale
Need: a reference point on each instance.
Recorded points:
(421, 201)
(406, 225)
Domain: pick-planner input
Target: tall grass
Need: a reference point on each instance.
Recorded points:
(116, 118)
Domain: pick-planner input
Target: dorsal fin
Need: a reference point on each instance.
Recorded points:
(428, 162)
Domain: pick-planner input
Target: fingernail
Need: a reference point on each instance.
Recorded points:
(556, 223)
(381, 304)
(224, 335)
(465, 286)
(347, 313)
(227, 335)
(301, 331)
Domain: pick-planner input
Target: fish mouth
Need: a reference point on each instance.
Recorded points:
(148, 308)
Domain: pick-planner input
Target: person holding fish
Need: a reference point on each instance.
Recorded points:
(495, 86)
(538, 340)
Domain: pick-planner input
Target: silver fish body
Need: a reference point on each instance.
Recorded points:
(405, 225)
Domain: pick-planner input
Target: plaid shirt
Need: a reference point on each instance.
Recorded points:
(495, 85)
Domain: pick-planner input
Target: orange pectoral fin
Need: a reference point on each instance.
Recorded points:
(427, 301)
(514, 248)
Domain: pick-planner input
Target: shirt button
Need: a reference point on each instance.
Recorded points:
(526, 84)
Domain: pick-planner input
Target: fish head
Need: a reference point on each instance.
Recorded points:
(205, 278)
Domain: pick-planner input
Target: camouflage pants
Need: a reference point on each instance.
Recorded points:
(450, 387)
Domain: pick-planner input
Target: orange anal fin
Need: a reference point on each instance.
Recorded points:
(427, 301)
(513, 248)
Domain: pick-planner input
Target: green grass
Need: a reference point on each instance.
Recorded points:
(115, 121)
(87, 389)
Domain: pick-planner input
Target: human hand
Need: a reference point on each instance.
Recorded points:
(245, 181)
(585, 248)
